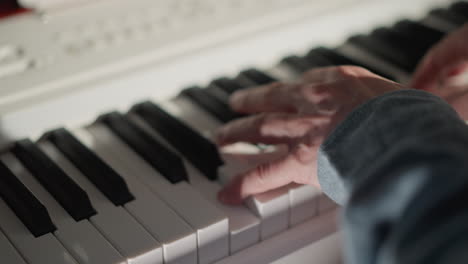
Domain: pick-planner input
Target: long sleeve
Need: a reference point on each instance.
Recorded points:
(399, 165)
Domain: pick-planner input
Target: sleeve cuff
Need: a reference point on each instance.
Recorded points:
(335, 155)
(330, 180)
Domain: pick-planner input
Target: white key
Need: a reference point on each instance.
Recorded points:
(271, 207)
(35, 250)
(303, 201)
(8, 253)
(114, 222)
(244, 226)
(179, 239)
(210, 223)
(325, 203)
(81, 239)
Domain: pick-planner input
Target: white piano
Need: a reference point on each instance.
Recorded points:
(139, 183)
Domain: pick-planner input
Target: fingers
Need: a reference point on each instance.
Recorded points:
(450, 51)
(299, 166)
(270, 128)
(275, 97)
(335, 73)
(426, 74)
(290, 98)
(454, 81)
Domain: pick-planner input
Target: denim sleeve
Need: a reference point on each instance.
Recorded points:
(399, 166)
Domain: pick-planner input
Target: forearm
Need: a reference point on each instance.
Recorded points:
(395, 162)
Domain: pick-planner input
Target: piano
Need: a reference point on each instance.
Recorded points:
(108, 107)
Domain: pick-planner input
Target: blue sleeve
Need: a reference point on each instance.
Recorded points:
(399, 166)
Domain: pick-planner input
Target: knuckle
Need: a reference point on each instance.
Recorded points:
(351, 70)
(271, 92)
(304, 172)
(303, 154)
(303, 90)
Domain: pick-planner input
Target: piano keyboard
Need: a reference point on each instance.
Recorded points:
(139, 184)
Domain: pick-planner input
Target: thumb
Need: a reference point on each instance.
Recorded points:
(298, 166)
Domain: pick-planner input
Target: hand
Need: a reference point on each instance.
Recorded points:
(299, 115)
(444, 71)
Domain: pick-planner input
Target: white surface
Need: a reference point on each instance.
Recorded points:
(45, 5)
(107, 37)
(116, 224)
(81, 239)
(178, 239)
(12, 61)
(8, 251)
(303, 201)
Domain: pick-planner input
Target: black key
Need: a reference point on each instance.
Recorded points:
(111, 184)
(67, 193)
(461, 8)
(449, 16)
(396, 39)
(254, 77)
(384, 50)
(219, 93)
(24, 204)
(338, 58)
(213, 105)
(227, 85)
(197, 149)
(317, 60)
(424, 36)
(409, 47)
(297, 63)
(169, 164)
